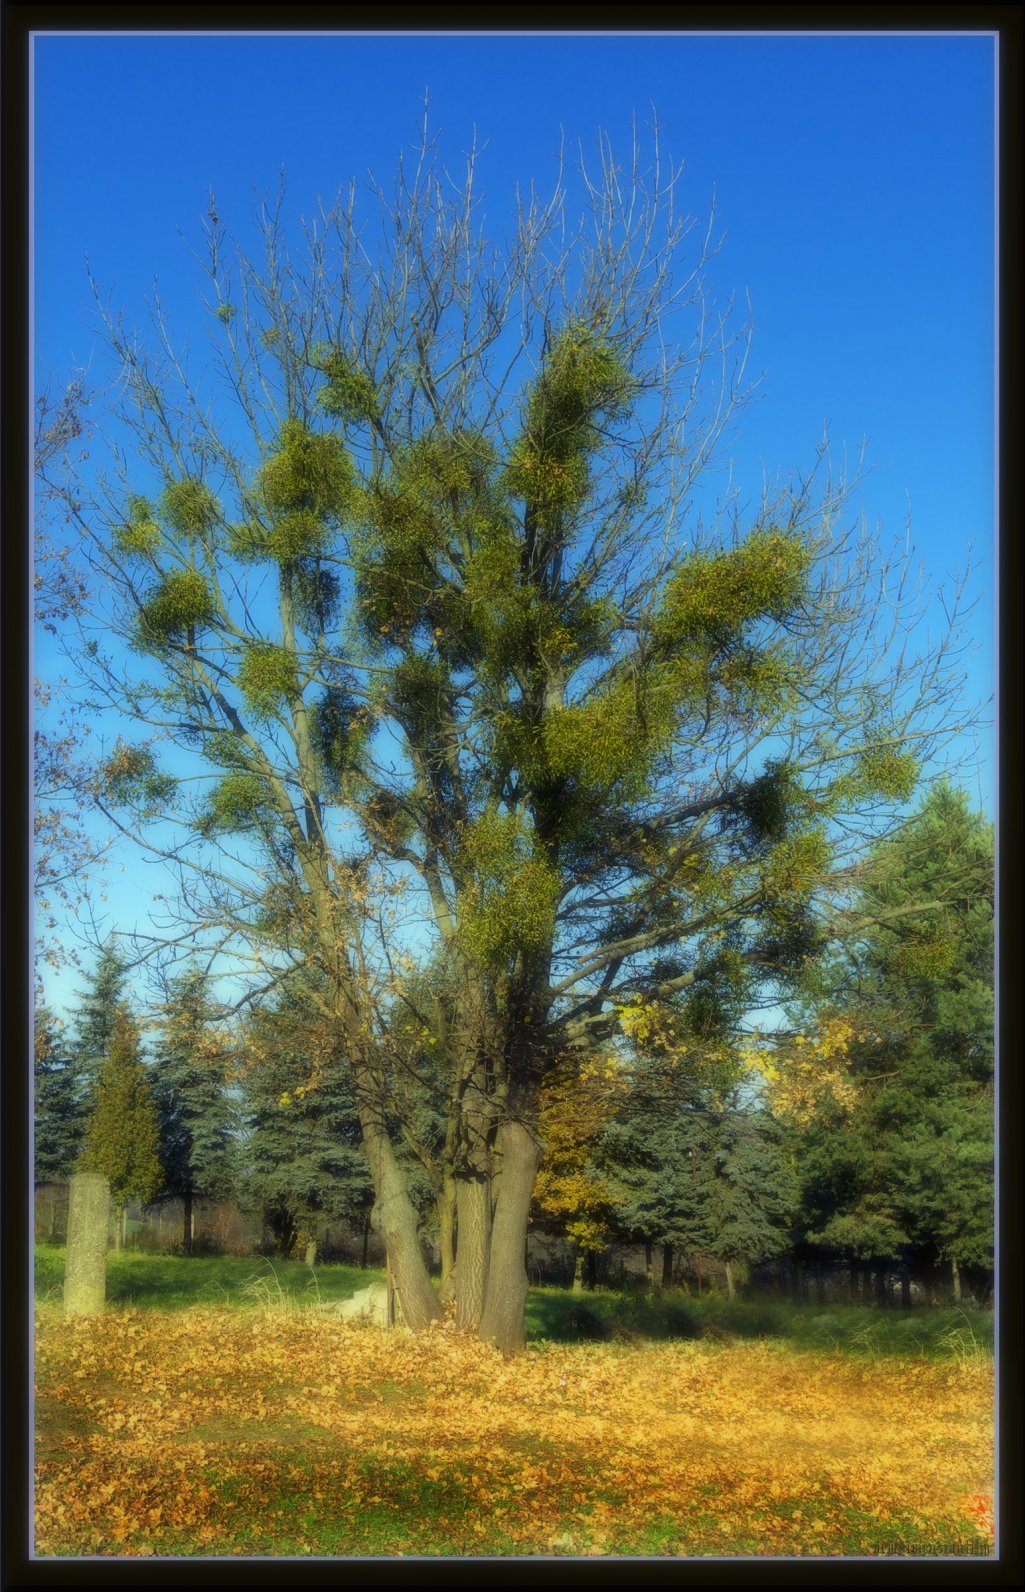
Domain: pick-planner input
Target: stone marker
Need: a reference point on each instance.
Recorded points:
(85, 1264)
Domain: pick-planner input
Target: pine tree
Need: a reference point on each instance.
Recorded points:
(190, 1088)
(58, 1116)
(122, 1136)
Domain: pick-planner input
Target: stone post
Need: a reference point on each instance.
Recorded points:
(85, 1264)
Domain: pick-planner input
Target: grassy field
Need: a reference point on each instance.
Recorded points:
(219, 1414)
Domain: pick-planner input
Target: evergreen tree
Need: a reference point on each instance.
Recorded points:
(94, 1019)
(749, 1192)
(191, 1090)
(58, 1116)
(697, 1170)
(301, 1150)
(651, 1152)
(122, 1136)
(905, 1174)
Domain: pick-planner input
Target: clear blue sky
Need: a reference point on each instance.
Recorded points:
(854, 178)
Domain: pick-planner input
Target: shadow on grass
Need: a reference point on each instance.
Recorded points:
(176, 1282)
(562, 1317)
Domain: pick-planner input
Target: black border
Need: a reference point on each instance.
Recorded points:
(15, 961)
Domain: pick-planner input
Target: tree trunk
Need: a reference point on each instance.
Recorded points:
(649, 1269)
(366, 1241)
(446, 1203)
(506, 1295)
(311, 1250)
(85, 1263)
(188, 1232)
(394, 1217)
(667, 1265)
(473, 1230)
(731, 1291)
(882, 1296)
(119, 1230)
(955, 1272)
(905, 1288)
(578, 1272)
(591, 1270)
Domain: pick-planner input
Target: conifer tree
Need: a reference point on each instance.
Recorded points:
(58, 1115)
(748, 1187)
(94, 1019)
(301, 1153)
(191, 1062)
(904, 1173)
(122, 1136)
(437, 614)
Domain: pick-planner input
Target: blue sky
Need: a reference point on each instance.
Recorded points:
(853, 175)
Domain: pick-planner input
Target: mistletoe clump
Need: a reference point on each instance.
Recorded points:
(181, 602)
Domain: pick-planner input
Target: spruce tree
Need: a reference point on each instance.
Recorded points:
(190, 1067)
(58, 1114)
(303, 1163)
(749, 1192)
(122, 1136)
(94, 1019)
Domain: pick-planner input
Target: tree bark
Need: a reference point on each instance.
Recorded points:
(395, 1219)
(649, 1268)
(667, 1265)
(882, 1296)
(311, 1250)
(578, 1273)
(119, 1229)
(955, 1272)
(506, 1295)
(85, 1263)
(446, 1203)
(473, 1232)
(730, 1286)
(591, 1270)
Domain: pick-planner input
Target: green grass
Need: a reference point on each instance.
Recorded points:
(173, 1282)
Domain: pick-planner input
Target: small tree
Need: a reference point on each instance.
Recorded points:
(572, 1191)
(122, 1136)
